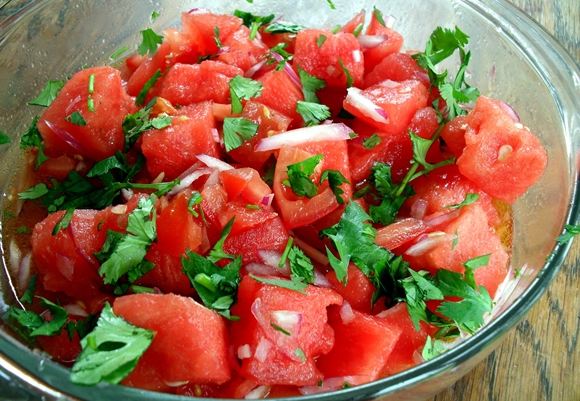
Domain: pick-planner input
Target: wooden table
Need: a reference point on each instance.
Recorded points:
(540, 359)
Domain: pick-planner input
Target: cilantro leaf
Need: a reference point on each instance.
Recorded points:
(35, 324)
(320, 40)
(335, 180)
(64, 221)
(150, 42)
(432, 348)
(217, 252)
(570, 232)
(140, 100)
(469, 200)
(111, 351)
(283, 27)
(28, 295)
(349, 78)
(372, 141)
(4, 139)
(243, 88)
(48, 94)
(331, 4)
(392, 196)
(312, 113)
(420, 148)
(236, 130)
(117, 161)
(310, 84)
(254, 22)
(278, 54)
(135, 124)
(300, 265)
(195, 199)
(32, 138)
(294, 285)
(419, 287)
(216, 36)
(299, 176)
(76, 118)
(129, 251)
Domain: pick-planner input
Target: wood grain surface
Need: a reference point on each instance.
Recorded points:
(540, 359)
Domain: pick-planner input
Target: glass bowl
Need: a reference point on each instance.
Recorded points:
(513, 60)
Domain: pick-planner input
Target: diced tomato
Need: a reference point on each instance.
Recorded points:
(172, 150)
(392, 44)
(502, 157)
(281, 93)
(147, 68)
(102, 135)
(241, 51)
(358, 289)
(400, 232)
(354, 24)
(246, 182)
(363, 344)
(399, 101)
(184, 84)
(190, 342)
(397, 67)
(200, 28)
(320, 53)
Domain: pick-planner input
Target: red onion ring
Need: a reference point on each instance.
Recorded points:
(65, 136)
(366, 106)
(317, 133)
(288, 69)
(428, 242)
(214, 163)
(510, 111)
(72, 104)
(253, 69)
(371, 41)
(419, 209)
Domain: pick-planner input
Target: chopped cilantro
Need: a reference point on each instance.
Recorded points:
(236, 130)
(357, 30)
(432, 348)
(28, 295)
(217, 252)
(455, 241)
(154, 15)
(91, 83)
(252, 207)
(299, 176)
(379, 16)
(48, 94)
(331, 4)
(4, 138)
(22, 230)
(335, 180)
(336, 29)
(243, 88)
(32, 138)
(300, 354)
(76, 118)
(284, 256)
(300, 265)
(254, 22)
(216, 36)
(469, 200)
(82, 326)
(293, 285)
(570, 232)
(64, 221)
(90, 104)
(111, 351)
(372, 141)
(140, 100)
(135, 124)
(320, 40)
(150, 42)
(390, 194)
(283, 27)
(35, 324)
(310, 84)
(278, 54)
(115, 55)
(312, 113)
(280, 329)
(349, 79)
(195, 199)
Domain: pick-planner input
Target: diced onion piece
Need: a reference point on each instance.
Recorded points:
(127, 194)
(262, 269)
(428, 242)
(441, 219)
(223, 50)
(263, 349)
(15, 257)
(72, 104)
(311, 252)
(199, 10)
(272, 259)
(244, 351)
(189, 179)
(216, 135)
(387, 83)
(267, 200)
(258, 393)
(366, 106)
(213, 162)
(75, 309)
(177, 384)
(371, 41)
(300, 136)
(65, 266)
(24, 270)
(65, 136)
(356, 56)
(346, 313)
(389, 21)
(254, 69)
(290, 321)
(320, 280)
(510, 111)
(419, 209)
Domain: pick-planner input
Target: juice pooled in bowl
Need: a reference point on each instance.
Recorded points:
(250, 208)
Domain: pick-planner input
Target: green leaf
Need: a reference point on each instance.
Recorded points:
(28, 295)
(217, 252)
(59, 316)
(216, 36)
(195, 199)
(312, 113)
(154, 15)
(293, 285)
(300, 354)
(283, 27)
(349, 79)
(34, 192)
(76, 118)
(150, 42)
(237, 130)
(243, 88)
(320, 40)
(372, 141)
(116, 162)
(161, 122)
(32, 138)
(335, 180)
(310, 84)
(4, 139)
(570, 231)
(254, 22)
(48, 94)
(111, 351)
(299, 176)
(331, 4)
(22, 230)
(284, 256)
(432, 348)
(64, 221)
(140, 100)
(379, 16)
(300, 265)
(469, 200)
(116, 55)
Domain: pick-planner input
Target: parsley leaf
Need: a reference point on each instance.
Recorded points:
(111, 351)
(150, 42)
(254, 22)
(312, 113)
(128, 252)
(48, 94)
(335, 180)
(32, 138)
(243, 88)
(283, 27)
(299, 176)
(372, 141)
(310, 84)
(140, 100)
(236, 130)
(4, 138)
(76, 118)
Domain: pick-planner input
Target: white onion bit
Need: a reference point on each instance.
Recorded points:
(365, 105)
(346, 313)
(428, 242)
(371, 41)
(212, 162)
(317, 133)
(258, 393)
(244, 351)
(253, 69)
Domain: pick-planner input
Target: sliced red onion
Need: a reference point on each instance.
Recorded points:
(288, 69)
(258, 393)
(24, 270)
(389, 21)
(65, 266)
(72, 104)
(444, 218)
(214, 163)
(157, 291)
(244, 351)
(214, 178)
(88, 258)
(320, 280)
(127, 194)
(428, 242)
(335, 383)
(253, 69)
(419, 209)
(510, 111)
(176, 384)
(199, 10)
(263, 349)
(300, 136)
(261, 269)
(65, 136)
(267, 200)
(189, 179)
(15, 258)
(371, 41)
(357, 56)
(311, 252)
(216, 135)
(346, 313)
(223, 50)
(272, 258)
(365, 105)
(75, 309)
